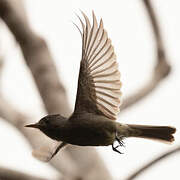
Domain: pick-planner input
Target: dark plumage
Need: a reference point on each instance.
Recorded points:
(98, 100)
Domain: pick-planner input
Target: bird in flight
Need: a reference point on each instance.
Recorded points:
(93, 122)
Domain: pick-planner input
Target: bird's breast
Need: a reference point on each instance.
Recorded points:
(89, 133)
(85, 130)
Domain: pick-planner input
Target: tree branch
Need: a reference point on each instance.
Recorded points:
(7, 174)
(162, 68)
(38, 59)
(52, 91)
(63, 163)
(153, 162)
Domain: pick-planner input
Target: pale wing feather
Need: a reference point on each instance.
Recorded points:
(100, 68)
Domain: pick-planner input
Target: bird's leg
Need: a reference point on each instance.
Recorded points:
(57, 149)
(121, 143)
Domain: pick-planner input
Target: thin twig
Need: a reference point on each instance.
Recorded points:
(162, 68)
(153, 162)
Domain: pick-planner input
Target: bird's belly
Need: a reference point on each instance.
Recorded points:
(87, 137)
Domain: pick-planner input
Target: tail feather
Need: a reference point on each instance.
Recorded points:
(162, 133)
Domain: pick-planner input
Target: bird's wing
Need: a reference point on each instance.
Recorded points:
(99, 78)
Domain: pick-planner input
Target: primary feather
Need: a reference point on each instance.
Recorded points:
(99, 77)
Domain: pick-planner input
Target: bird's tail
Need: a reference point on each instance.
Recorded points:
(161, 133)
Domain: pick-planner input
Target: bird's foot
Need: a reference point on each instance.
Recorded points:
(121, 144)
(115, 149)
(120, 141)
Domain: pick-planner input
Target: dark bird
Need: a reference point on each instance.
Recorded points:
(98, 100)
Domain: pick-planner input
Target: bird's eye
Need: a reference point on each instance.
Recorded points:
(43, 122)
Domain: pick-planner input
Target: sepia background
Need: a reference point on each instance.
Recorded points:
(130, 30)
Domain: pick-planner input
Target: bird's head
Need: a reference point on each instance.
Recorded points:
(50, 125)
(47, 122)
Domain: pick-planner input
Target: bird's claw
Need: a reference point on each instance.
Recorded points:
(115, 149)
(121, 143)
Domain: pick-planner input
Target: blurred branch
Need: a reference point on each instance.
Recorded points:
(7, 174)
(63, 163)
(37, 57)
(52, 91)
(162, 68)
(153, 162)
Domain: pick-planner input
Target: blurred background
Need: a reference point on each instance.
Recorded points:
(130, 30)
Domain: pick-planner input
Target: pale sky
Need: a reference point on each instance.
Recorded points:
(129, 29)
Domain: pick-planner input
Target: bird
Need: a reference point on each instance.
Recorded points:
(98, 100)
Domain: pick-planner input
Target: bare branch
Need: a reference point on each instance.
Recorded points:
(40, 62)
(7, 174)
(153, 162)
(62, 163)
(38, 58)
(162, 68)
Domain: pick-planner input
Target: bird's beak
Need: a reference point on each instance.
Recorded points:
(36, 125)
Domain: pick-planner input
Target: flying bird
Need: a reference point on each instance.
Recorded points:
(93, 122)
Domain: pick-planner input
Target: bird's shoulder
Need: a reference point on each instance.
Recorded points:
(91, 119)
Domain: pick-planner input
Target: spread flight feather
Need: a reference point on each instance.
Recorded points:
(99, 78)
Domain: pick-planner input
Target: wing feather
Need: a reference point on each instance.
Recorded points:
(99, 78)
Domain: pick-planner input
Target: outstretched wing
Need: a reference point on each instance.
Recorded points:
(99, 78)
